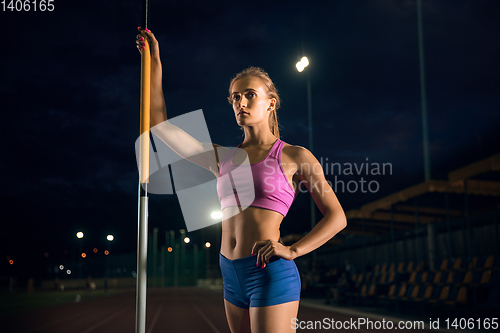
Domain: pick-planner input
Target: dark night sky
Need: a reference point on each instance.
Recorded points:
(70, 101)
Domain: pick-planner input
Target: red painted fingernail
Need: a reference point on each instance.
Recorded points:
(142, 38)
(257, 264)
(251, 253)
(147, 30)
(262, 266)
(143, 43)
(142, 47)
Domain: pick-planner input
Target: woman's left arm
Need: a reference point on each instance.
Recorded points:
(310, 173)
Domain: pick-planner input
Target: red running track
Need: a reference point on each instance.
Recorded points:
(185, 309)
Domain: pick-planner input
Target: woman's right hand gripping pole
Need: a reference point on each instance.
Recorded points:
(186, 146)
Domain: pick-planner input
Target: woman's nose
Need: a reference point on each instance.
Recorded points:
(242, 102)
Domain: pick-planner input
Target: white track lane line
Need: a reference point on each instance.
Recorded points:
(102, 322)
(206, 319)
(155, 318)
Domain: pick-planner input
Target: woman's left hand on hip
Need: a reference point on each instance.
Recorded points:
(265, 249)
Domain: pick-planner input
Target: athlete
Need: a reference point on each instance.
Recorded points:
(261, 281)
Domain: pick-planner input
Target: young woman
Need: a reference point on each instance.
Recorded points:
(261, 281)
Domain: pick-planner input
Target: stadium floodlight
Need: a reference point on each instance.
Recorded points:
(79, 234)
(216, 215)
(303, 63)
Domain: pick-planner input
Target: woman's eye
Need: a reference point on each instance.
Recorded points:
(236, 97)
(251, 95)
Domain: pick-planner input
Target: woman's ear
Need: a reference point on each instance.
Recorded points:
(272, 104)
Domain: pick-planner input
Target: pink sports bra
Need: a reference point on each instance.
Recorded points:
(266, 186)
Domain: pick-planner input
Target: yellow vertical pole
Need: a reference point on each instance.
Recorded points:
(142, 231)
(145, 112)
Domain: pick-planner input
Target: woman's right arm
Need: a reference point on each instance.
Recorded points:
(201, 153)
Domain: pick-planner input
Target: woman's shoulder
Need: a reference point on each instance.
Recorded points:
(295, 152)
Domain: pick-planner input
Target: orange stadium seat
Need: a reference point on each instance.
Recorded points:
(452, 296)
(437, 277)
(413, 277)
(428, 292)
(420, 266)
(392, 277)
(372, 290)
(444, 264)
(473, 263)
(409, 267)
(467, 278)
(490, 260)
(439, 294)
(411, 292)
(426, 277)
(382, 278)
(362, 292)
(401, 292)
(457, 264)
(449, 277)
(486, 277)
(462, 296)
(359, 279)
(368, 277)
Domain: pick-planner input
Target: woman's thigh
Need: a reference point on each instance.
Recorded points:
(238, 319)
(275, 318)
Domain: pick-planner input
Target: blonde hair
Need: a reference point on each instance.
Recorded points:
(272, 92)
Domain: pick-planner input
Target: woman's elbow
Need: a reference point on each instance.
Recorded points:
(342, 221)
(344, 224)
(339, 218)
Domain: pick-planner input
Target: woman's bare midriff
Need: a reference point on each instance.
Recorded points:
(240, 230)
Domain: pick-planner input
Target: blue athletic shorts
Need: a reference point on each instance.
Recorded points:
(246, 285)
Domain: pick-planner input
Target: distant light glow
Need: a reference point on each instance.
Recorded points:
(110, 237)
(61, 267)
(68, 271)
(95, 250)
(46, 254)
(8, 257)
(84, 255)
(207, 244)
(79, 234)
(11, 262)
(303, 63)
(186, 240)
(106, 252)
(169, 249)
(216, 215)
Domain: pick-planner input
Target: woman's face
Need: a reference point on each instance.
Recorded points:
(250, 101)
